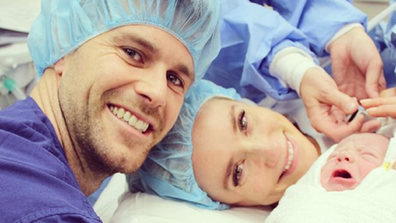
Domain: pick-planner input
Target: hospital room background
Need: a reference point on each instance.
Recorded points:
(17, 78)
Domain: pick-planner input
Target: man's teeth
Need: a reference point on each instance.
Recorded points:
(291, 155)
(132, 120)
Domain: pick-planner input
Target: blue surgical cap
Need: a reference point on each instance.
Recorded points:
(64, 25)
(168, 169)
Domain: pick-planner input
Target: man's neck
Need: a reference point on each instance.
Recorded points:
(45, 93)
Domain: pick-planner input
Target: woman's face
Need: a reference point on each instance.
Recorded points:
(247, 155)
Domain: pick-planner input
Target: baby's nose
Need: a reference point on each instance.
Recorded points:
(344, 156)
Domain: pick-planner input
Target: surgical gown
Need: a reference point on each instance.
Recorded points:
(252, 35)
(36, 181)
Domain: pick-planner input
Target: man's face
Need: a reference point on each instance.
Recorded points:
(121, 92)
(352, 160)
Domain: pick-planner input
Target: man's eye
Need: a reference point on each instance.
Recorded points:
(175, 80)
(242, 121)
(237, 174)
(133, 54)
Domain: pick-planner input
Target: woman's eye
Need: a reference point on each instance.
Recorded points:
(237, 174)
(174, 79)
(133, 54)
(242, 121)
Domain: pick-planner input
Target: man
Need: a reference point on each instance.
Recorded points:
(114, 75)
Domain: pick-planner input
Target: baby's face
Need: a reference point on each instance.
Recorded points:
(354, 157)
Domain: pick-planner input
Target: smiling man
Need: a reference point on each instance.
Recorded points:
(114, 76)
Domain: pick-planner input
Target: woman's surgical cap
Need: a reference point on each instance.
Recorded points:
(168, 169)
(64, 25)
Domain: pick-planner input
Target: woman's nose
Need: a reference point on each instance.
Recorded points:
(270, 154)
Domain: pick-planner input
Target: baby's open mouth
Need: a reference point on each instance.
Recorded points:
(342, 174)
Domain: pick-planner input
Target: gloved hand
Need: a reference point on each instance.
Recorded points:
(357, 65)
(384, 106)
(327, 107)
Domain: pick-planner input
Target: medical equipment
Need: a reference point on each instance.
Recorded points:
(362, 111)
(17, 75)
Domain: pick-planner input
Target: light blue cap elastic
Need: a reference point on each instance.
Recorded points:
(168, 170)
(64, 25)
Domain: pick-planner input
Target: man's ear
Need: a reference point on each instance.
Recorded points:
(59, 66)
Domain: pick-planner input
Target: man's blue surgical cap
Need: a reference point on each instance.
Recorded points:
(168, 169)
(64, 25)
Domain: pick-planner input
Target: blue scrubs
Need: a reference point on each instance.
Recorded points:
(319, 20)
(36, 181)
(251, 35)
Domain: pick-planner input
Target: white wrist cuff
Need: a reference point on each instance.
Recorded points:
(290, 65)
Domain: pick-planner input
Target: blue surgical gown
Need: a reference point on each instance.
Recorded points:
(36, 181)
(319, 20)
(252, 34)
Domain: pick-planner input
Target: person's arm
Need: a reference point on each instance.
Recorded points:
(319, 20)
(251, 37)
(262, 54)
(326, 106)
(356, 64)
(337, 27)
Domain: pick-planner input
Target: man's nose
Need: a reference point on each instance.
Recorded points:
(153, 88)
(344, 156)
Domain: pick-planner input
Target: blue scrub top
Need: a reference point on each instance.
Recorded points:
(319, 20)
(36, 181)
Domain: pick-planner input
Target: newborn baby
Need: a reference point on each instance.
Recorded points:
(354, 181)
(352, 159)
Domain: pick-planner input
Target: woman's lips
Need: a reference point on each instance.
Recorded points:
(290, 159)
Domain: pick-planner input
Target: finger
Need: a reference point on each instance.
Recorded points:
(382, 82)
(346, 129)
(338, 114)
(388, 92)
(370, 126)
(383, 111)
(339, 130)
(343, 101)
(374, 78)
(375, 102)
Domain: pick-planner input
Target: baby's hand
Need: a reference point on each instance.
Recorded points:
(383, 106)
(394, 165)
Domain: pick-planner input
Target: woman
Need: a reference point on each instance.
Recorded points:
(224, 152)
